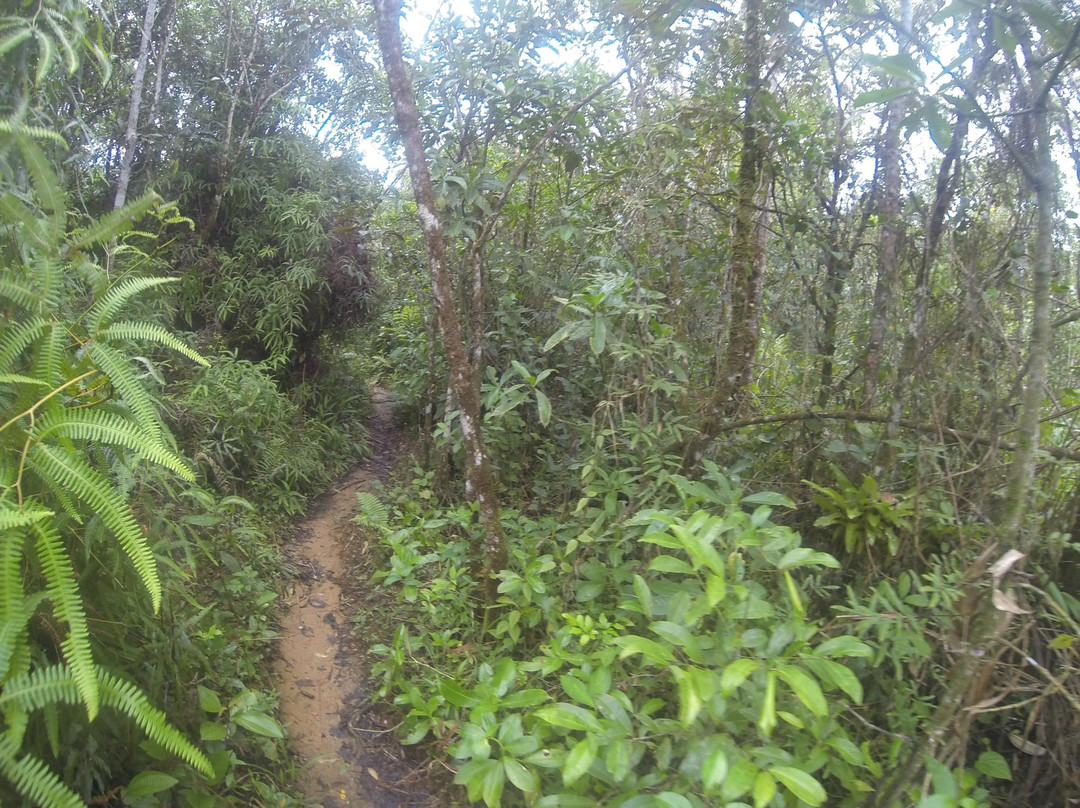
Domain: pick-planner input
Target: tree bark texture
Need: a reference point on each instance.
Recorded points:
(748, 249)
(480, 484)
(131, 132)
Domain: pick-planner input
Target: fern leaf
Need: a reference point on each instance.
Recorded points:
(130, 700)
(113, 224)
(151, 332)
(71, 59)
(10, 127)
(52, 728)
(373, 512)
(22, 297)
(15, 378)
(15, 634)
(114, 300)
(46, 55)
(18, 338)
(123, 378)
(50, 354)
(12, 516)
(66, 470)
(50, 685)
(16, 212)
(11, 594)
(67, 604)
(56, 685)
(46, 186)
(111, 429)
(34, 779)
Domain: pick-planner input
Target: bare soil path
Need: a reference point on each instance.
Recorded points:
(350, 759)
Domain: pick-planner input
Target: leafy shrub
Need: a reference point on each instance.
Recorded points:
(667, 659)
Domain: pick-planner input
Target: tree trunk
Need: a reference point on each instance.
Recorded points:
(479, 481)
(132, 130)
(748, 245)
(889, 238)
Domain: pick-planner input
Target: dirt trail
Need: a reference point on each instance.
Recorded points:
(351, 760)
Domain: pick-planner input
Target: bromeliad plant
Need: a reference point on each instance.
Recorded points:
(75, 413)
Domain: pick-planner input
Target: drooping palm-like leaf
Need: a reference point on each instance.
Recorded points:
(35, 779)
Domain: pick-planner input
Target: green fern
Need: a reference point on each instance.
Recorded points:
(18, 338)
(113, 224)
(35, 779)
(122, 376)
(62, 468)
(113, 301)
(109, 429)
(373, 512)
(57, 685)
(151, 332)
(67, 605)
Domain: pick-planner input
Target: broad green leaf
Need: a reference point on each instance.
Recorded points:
(992, 764)
(844, 645)
(735, 674)
(579, 760)
(882, 96)
(494, 780)
(653, 651)
(764, 789)
(521, 776)
(739, 781)
(644, 595)
(666, 563)
(671, 799)
(209, 731)
(568, 716)
(457, 695)
(150, 782)
(767, 719)
(599, 335)
(799, 783)
(260, 724)
(714, 769)
(577, 689)
(805, 688)
(543, 407)
(768, 498)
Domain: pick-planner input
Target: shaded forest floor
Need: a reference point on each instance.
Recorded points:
(343, 739)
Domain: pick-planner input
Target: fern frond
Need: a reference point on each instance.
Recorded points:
(11, 517)
(34, 779)
(122, 376)
(111, 429)
(67, 604)
(130, 700)
(15, 634)
(49, 355)
(16, 212)
(46, 187)
(66, 470)
(372, 511)
(56, 685)
(151, 332)
(18, 294)
(32, 691)
(113, 224)
(114, 300)
(9, 127)
(18, 338)
(15, 378)
(11, 593)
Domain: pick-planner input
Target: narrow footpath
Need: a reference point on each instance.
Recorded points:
(350, 759)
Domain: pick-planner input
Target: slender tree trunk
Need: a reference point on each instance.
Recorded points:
(889, 238)
(480, 484)
(132, 130)
(748, 249)
(159, 67)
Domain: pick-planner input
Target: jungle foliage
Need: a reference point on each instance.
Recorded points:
(737, 340)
